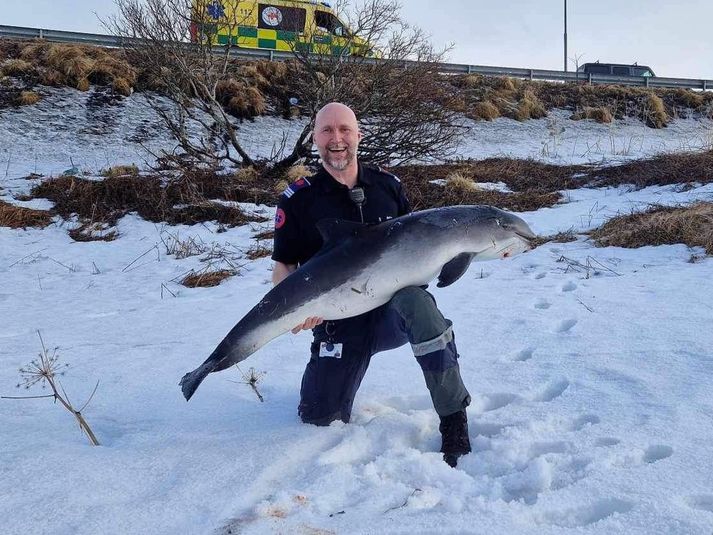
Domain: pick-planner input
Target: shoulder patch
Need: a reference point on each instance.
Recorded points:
(296, 186)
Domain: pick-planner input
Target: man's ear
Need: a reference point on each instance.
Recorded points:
(359, 135)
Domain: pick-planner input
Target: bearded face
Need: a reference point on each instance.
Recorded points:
(337, 137)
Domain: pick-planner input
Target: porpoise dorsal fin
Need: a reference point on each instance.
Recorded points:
(333, 230)
(454, 269)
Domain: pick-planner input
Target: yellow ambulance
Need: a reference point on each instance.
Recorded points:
(286, 25)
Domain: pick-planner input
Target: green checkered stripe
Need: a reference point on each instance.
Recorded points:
(250, 37)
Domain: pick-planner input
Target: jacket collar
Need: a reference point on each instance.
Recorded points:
(329, 183)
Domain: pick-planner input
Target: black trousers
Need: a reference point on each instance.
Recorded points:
(330, 384)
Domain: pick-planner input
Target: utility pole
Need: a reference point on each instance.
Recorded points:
(565, 35)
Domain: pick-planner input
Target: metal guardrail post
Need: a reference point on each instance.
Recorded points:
(589, 78)
(531, 75)
(647, 81)
(272, 55)
(41, 34)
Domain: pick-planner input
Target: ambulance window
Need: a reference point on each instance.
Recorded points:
(329, 23)
(620, 71)
(290, 19)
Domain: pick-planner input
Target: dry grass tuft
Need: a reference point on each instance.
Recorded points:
(16, 67)
(486, 111)
(530, 107)
(692, 225)
(459, 184)
(122, 86)
(601, 114)
(121, 170)
(655, 112)
(560, 237)
(506, 84)
(206, 278)
(298, 171)
(83, 84)
(258, 251)
(19, 217)
(27, 98)
(87, 232)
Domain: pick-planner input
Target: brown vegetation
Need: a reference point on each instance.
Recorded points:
(206, 278)
(182, 201)
(681, 168)
(27, 98)
(601, 114)
(692, 225)
(19, 217)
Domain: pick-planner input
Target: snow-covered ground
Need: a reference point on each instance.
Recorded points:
(590, 370)
(68, 128)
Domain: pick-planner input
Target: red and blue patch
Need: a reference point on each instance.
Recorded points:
(280, 218)
(295, 187)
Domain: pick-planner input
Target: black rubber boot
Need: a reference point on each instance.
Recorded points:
(454, 432)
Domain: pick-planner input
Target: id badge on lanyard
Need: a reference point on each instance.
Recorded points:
(330, 350)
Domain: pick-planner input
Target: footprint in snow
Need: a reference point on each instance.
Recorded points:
(542, 304)
(553, 391)
(569, 286)
(584, 515)
(657, 453)
(566, 326)
(540, 275)
(497, 401)
(607, 442)
(702, 502)
(524, 354)
(581, 422)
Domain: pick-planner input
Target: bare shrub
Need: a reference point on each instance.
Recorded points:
(692, 225)
(19, 217)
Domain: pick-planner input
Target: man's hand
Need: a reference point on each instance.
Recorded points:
(309, 323)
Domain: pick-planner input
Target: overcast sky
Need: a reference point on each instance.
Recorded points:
(673, 38)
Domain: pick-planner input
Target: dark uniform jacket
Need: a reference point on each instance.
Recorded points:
(308, 200)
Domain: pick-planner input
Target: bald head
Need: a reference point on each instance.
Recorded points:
(337, 110)
(336, 135)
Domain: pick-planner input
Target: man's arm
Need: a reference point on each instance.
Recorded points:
(280, 271)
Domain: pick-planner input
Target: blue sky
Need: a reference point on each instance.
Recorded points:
(674, 38)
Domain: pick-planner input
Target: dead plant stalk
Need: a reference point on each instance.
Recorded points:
(45, 370)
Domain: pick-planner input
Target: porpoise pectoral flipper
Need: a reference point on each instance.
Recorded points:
(454, 269)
